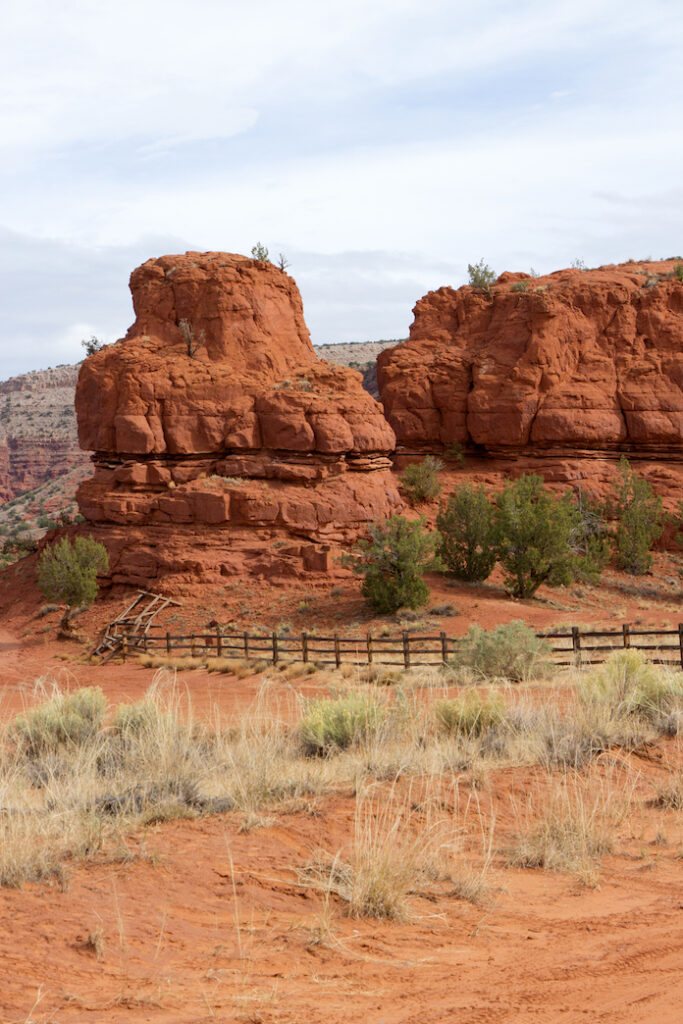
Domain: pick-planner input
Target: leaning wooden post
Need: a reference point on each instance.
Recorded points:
(444, 648)
(626, 633)
(576, 643)
(275, 650)
(168, 644)
(304, 647)
(369, 643)
(680, 640)
(219, 642)
(337, 650)
(406, 649)
(124, 647)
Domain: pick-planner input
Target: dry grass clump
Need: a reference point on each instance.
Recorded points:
(571, 832)
(402, 847)
(67, 718)
(335, 724)
(631, 686)
(472, 713)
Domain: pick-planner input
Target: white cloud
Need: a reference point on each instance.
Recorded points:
(382, 146)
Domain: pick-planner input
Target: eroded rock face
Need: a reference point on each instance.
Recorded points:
(222, 443)
(578, 361)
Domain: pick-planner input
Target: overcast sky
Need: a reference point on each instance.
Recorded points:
(382, 145)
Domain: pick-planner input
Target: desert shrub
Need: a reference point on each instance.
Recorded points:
(632, 685)
(260, 252)
(589, 539)
(481, 276)
(454, 452)
(511, 651)
(420, 481)
(466, 539)
(471, 713)
(72, 718)
(91, 345)
(639, 520)
(678, 271)
(67, 572)
(393, 561)
(520, 286)
(533, 533)
(192, 341)
(336, 724)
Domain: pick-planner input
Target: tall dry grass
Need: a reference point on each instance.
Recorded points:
(75, 776)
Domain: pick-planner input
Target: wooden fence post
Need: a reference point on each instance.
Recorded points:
(626, 634)
(168, 644)
(219, 642)
(193, 649)
(337, 650)
(680, 640)
(245, 640)
(368, 639)
(576, 643)
(304, 646)
(124, 647)
(444, 648)
(406, 649)
(275, 650)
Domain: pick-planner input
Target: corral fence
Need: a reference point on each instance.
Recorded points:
(574, 646)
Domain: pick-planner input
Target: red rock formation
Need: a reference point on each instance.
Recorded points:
(578, 361)
(222, 443)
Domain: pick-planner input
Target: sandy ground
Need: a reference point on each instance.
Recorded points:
(202, 921)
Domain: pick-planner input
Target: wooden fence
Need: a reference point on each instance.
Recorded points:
(575, 646)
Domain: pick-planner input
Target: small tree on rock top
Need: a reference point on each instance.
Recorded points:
(67, 573)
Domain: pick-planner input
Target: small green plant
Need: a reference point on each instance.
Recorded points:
(466, 537)
(470, 714)
(678, 271)
(336, 724)
(67, 719)
(589, 539)
(639, 520)
(260, 252)
(67, 572)
(481, 276)
(520, 286)
(511, 651)
(393, 560)
(420, 481)
(578, 264)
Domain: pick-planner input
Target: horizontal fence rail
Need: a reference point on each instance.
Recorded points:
(573, 646)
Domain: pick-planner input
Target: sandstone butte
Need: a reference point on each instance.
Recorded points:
(248, 454)
(560, 373)
(580, 360)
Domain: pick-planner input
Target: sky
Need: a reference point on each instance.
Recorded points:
(380, 146)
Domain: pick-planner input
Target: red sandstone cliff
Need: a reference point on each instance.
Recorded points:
(185, 441)
(579, 360)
